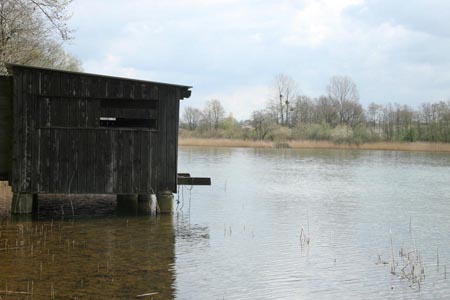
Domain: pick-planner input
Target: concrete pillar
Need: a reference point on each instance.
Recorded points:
(23, 203)
(165, 202)
(147, 204)
(144, 198)
(127, 204)
(127, 197)
(144, 204)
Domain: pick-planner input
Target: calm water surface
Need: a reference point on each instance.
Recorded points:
(239, 238)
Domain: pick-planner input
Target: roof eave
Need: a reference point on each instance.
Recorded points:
(10, 67)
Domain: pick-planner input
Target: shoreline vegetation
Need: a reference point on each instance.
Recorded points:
(334, 120)
(308, 144)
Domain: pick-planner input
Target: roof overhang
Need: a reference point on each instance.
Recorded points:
(186, 89)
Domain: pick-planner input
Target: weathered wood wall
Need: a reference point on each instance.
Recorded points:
(64, 143)
(5, 126)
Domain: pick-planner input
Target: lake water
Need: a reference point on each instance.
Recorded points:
(240, 238)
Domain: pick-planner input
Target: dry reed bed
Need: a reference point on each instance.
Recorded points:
(224, 143)
(388, 146)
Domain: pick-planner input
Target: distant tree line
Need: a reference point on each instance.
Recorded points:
(335, 116)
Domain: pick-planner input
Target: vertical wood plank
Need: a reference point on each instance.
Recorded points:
(73, 157)
(109, 163)
(90, 168)
(16, 131)
(100, 161)
(113, 146)
(154, 162)
(119, 160)
(53, 160)
(162, 161)
(81, 164)
(64, 149)
(126, 165)
(28, 99)
(43, 161)
(93, 107)
(137, 162)
(34, 135)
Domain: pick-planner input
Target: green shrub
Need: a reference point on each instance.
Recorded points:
(316, 132)
(341, 135)
(409, 135)
(280, 134)
(361, 135)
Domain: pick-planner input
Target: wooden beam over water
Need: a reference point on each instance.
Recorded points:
(194, 180)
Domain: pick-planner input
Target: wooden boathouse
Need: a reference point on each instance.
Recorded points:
(76, 133)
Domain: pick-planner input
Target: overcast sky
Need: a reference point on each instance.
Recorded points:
(231, 50)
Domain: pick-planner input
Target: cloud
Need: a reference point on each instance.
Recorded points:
(319, 22)
(110, 64)
(240, 101)
(231, 50)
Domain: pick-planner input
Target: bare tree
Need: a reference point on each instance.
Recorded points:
(373, 117)
(388, 121)
(327, 110)
(191, 117)
(284, 92)
(343, 91)
(303, 111)
(262, 123)
(32, 32)
(214, 113)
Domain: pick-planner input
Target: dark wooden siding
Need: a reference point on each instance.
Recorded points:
(64, 141)
(5, 126)
(168, 138)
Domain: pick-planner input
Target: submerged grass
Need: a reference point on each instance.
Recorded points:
(102, 259)
(306, 144)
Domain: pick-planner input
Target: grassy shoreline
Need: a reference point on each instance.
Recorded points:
(387, 146)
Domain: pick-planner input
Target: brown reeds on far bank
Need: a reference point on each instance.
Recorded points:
(305, 144)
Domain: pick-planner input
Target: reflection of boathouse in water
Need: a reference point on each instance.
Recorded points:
(97, 259)
(75, 133)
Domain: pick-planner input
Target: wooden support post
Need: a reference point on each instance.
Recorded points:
(35, 208)
(127, 204)
(144, 198)
(144, 204)
(165, 202)
(23, 203)
(127, 198)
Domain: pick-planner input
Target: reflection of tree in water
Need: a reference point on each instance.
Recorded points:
(190, 234)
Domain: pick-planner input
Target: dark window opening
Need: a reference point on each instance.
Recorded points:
(128, 123)
(133, 104)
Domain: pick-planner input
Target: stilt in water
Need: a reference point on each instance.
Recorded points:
(165, 202)
(23, 203)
